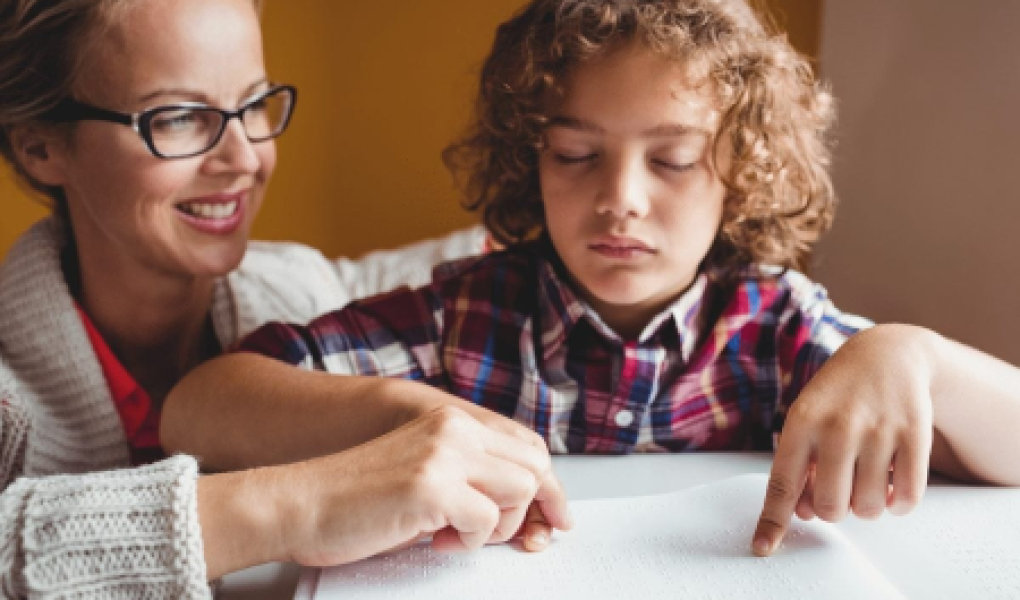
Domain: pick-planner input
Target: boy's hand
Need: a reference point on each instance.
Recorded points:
(536, 532)
(867, 412)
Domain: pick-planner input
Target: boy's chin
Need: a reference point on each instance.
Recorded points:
(635, 298)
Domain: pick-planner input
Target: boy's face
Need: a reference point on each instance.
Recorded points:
(632, 197)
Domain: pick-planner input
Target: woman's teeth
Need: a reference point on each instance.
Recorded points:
(210, 211)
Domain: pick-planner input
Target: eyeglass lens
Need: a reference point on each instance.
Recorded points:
(182, 131)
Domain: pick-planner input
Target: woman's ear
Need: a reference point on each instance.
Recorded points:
(40, 152)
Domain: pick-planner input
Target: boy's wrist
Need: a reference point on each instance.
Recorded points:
(917, 346)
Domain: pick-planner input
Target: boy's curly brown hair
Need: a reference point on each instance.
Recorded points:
(774, 111)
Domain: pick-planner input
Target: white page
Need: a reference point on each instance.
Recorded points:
(960, 542)
(689, 544)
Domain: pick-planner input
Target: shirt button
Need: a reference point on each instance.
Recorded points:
(624, 418)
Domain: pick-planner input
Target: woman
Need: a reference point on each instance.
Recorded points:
(149, 125)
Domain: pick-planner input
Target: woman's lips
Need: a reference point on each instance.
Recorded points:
(218, 214)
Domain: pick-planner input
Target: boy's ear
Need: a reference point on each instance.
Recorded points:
(40, 153)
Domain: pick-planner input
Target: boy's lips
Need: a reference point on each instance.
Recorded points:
(619, 247)
(617, 243)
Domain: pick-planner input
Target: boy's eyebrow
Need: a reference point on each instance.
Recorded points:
(664, 130)
(574, 123)
(676, 129)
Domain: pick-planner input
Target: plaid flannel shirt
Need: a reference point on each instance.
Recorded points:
(717, 370)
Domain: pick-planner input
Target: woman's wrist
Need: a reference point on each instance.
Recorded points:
(243, 517)
(411, 399)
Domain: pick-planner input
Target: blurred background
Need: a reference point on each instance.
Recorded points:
(927, 92)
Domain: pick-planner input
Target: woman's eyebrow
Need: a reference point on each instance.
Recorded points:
(196, 95)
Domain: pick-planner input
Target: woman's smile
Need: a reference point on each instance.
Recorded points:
(216, 214)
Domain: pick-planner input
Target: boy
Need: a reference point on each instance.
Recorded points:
(655, 171)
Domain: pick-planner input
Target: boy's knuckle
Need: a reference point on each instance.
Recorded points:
(828, 509)
(780, 488)
(868, 508)
(908, 499)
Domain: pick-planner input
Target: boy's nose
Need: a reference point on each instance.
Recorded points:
(624, 192)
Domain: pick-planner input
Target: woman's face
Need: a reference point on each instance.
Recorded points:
(184, 217)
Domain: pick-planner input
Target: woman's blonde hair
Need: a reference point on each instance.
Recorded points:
(43, 45)
(775, 114)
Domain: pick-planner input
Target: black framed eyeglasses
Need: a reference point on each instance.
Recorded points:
(189, 128)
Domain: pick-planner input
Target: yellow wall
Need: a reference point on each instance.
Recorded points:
(383, 87)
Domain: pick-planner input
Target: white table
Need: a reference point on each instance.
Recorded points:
(611, 477)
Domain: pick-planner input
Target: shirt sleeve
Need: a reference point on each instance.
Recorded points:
(393, 335)
(811, 329)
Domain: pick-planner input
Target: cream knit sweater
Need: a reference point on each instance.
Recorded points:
(75, 521)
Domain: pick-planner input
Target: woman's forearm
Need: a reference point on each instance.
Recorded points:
(245, 410)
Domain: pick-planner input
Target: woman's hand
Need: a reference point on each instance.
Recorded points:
(444, 474)
(535, 532)
(864, 422)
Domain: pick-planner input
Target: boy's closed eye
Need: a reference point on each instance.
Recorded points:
(567, 158)
(677, 167)
(675, 163)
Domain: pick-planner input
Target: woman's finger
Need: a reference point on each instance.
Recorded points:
(472, 518)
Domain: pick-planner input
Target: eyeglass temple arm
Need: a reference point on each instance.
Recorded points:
(70, 110)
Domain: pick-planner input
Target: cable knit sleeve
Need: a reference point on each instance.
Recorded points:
(131, 533)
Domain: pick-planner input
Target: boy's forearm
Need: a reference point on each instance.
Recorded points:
(244, 410)
(976, 400)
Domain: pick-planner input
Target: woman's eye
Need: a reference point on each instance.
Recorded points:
(173, 122)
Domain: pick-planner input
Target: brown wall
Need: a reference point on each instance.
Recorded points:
(927, 166)
(383, 87)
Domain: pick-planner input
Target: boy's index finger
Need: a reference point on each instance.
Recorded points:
(536, 532)
(786, 484)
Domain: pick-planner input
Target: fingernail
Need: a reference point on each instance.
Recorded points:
(761, 546)
(539, 539)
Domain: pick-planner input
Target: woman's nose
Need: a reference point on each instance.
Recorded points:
(234, 151)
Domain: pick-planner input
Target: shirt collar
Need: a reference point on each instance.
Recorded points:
(561, 309)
